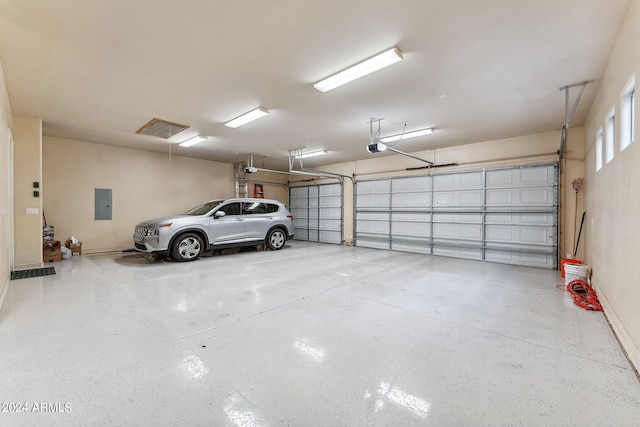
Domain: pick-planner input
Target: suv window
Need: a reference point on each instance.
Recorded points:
(231, 209)
(203, 208)
(271, 208)
(254, 208)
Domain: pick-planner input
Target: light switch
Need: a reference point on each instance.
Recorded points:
(32, 211)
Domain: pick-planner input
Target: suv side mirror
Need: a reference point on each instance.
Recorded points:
(219, 214)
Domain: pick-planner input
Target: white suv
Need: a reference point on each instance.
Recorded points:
(216, 224)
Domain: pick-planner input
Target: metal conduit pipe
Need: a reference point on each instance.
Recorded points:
(259, 181)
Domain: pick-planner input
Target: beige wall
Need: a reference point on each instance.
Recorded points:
(5, 191)
(523, 150)
(144, 185)
(612, 197)
(27, 169)
(275, 185)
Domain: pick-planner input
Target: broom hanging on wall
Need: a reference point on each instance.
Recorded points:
(577, 186)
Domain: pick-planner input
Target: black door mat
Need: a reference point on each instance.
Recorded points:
(34, 272)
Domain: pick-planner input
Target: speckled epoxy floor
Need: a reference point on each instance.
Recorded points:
(313, 335)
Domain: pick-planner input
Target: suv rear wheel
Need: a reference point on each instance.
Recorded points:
(187, 247)
(276, 239)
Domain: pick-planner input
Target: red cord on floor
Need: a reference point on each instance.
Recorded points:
(583, 295)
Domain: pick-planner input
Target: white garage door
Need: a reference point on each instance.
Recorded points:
(317, 212)
(506, 215)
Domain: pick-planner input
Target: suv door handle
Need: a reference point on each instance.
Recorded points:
(239, 219)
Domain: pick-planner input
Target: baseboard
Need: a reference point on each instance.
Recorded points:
(628, 346)
(3, 293)
(29, 266)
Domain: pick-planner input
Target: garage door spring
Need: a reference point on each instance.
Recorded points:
(583, 295)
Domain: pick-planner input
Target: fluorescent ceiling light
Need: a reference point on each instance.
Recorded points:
(311, 154)
(248, 117)
(407, 135)
(193, 141)
(361, 69)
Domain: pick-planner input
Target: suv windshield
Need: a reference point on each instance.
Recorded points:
(203, 208)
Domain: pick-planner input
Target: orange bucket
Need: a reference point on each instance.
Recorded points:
(567, 261)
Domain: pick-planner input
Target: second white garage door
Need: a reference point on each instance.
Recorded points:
(504, 215)
(317, 212)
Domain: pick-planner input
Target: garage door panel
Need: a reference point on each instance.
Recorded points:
(539, 176)
(457, 198)
(301, 234)
(521, 197)
(452, 248)
(458, 181)
(330, 202)
(331, 213)
(520, 218)
(417, 229)
(373, 200)
(326, 236)
(375, 242)
(330, 224)
(457, 217)
(378, 216)
(382, 186)
(519, 234)
(421, 184)
(536, 196)
(298, 213)
(411, 200)
(423, 216)
(377, 227)
(299, 192)
(422, 246)
(458, 231)
(529, 256)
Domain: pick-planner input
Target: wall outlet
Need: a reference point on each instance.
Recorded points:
(32, 211)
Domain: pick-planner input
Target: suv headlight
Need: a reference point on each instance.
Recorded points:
(154, 230)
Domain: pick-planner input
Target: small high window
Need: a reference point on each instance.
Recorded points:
(599, 150)
(609, 142)
(627, 115)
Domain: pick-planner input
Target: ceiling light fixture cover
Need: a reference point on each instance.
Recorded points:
(193, 141)
(161, 128)
(247, 117)
(407, 135)
(311, 154)
(361, 69)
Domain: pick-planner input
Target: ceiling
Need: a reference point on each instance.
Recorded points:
(475, 70)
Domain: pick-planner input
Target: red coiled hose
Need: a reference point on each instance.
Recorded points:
(583, 295)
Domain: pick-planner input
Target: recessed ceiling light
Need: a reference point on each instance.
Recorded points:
(193, 141)
(361, 69)
(247, 117)
(407, 135)
(311, 154)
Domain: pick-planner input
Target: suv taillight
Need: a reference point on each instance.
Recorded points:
(290, 217)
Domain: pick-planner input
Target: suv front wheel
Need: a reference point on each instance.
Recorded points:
(187, 247)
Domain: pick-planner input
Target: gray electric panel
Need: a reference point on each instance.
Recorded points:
(103, 203)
